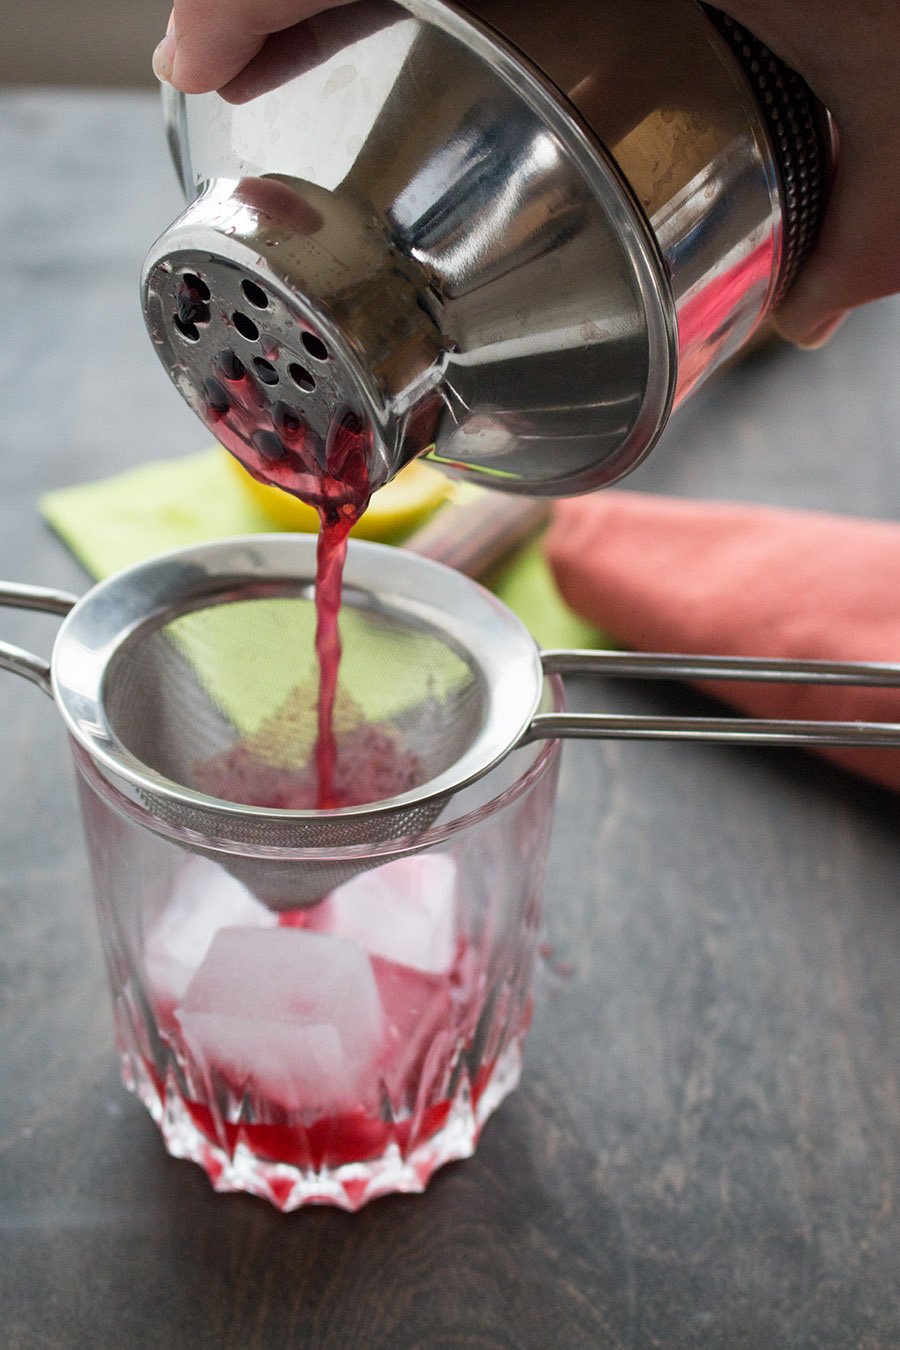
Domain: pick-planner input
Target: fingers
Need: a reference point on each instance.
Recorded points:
(855, 259)
(218, 45)
(164, 54)
(849, 60)
(209, 42)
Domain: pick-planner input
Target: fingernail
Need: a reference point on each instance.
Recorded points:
(820, 334)
(164, 57)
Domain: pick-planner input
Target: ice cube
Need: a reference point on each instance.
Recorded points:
(203, 900)
(404, 911)
(293, 1016)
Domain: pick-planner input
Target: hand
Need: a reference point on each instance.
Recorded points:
(849, 54)
(210, 42)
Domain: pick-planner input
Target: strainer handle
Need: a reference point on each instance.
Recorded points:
(18, 596)
(733, 730)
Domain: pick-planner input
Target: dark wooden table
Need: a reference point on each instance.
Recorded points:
(705, 1150)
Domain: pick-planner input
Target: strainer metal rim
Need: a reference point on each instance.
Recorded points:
(471, 619)
(441, 831)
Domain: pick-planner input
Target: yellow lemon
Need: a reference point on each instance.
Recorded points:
(394, 511)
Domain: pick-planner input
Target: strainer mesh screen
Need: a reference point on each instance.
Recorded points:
(223, 701)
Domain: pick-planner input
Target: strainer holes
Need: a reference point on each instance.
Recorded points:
(315, 346)
(195, 283)
(287, 422)
(268, 446)
(255, 294)
(265, 370)
(231, 366)
(245, 326)
(191, 308)
(218, 404)
(189, 331)
(301, 377)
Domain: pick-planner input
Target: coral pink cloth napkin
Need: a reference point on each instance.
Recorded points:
(672, 575)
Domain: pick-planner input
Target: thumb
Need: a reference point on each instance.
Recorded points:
(855, 258)
(211, 41)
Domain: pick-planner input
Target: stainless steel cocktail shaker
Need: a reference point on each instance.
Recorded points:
(511, 237)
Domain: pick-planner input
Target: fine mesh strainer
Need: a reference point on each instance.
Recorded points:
(190, 682)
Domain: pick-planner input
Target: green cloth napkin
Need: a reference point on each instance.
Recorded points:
(156, 507)
(172, 503)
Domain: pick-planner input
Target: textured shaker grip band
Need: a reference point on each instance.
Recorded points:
(799, 130)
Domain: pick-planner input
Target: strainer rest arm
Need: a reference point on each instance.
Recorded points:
(14, 595)
(733, 730)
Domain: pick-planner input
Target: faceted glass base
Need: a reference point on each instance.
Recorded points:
(243, 1161)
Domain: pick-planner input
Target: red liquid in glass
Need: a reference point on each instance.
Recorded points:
(386, 1084)
(423, 1014)
(331, 1141)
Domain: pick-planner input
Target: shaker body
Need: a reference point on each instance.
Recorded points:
(513, 243)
